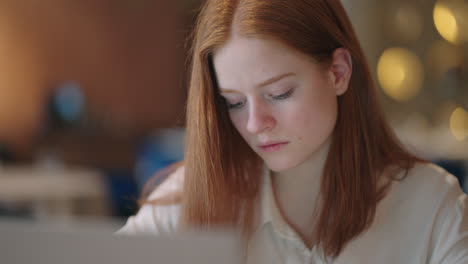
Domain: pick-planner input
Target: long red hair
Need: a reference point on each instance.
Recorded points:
(222, 174)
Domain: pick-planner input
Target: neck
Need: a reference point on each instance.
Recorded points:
(297, 191)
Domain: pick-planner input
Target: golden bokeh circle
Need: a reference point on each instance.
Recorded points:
(400, 73)
(451, 20)
(459, 124)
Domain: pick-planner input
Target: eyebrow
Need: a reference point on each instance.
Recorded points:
(264, 83)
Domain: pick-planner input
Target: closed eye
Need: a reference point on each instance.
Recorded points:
(283, 95)
(236, 105)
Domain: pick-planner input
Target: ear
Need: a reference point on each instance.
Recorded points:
(341, 69)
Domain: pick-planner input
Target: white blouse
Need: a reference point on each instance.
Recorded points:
(423, 219)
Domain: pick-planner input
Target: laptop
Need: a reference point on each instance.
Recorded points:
(23, 242)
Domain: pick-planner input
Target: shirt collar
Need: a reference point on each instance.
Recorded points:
(270, 213)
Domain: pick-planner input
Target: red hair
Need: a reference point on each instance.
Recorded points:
(222, 174)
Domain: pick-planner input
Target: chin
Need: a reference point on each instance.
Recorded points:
(280, 166)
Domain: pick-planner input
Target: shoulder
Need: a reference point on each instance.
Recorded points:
(427, 192)
(433, 198)
(156, 218)
(427, 181)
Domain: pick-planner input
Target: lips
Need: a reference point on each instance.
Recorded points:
(272, 146)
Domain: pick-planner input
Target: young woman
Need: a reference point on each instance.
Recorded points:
(287, 143)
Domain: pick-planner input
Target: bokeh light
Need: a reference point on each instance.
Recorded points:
(459, 123)
(400, 73)
(451, 21)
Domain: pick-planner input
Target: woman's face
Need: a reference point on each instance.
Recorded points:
(282, 103)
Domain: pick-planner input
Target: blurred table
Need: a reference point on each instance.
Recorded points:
(57, 192)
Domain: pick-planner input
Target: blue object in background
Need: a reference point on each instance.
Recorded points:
(123, 192)
(157, 152)
(457, 168)
(66, 106)
(69, 101)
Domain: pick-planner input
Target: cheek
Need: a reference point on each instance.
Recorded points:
(316, 119)
(239, 122)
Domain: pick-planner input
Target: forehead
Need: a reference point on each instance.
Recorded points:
(244, 62)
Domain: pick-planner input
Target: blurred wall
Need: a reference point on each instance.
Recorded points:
(127, 56)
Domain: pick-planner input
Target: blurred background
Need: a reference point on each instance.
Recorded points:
(92, 95)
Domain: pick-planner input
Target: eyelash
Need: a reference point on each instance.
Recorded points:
(283, 96)
(280, 97)
(234, 106)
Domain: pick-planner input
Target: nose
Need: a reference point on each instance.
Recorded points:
(260, 119)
